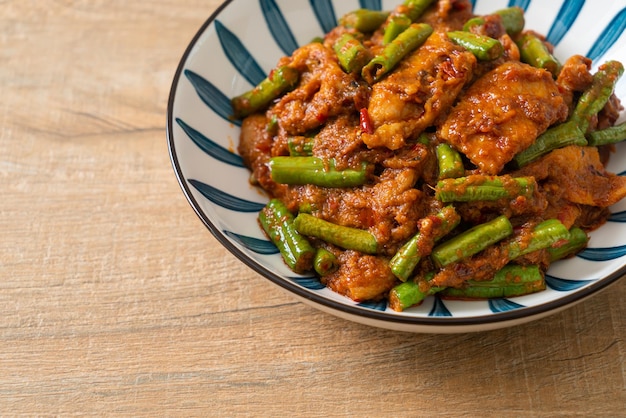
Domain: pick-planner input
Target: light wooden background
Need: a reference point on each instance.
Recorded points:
(115, 300)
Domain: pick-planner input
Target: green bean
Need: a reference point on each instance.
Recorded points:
(409, 255)
(598, 94)
(272, 126)
(450, 162)
(396, 24)
(278, 224)
(409, 293)
(483, 47)
(512, 19)
(300, 146)
(313, 170)
(416, 8)
(479, 187)
(559, 136)
(342, 236)
(512, 280)
(473, 23)
(534, 52)
(279, 81)
(607, 136)
(351, 53)
(471, 241)
(364, 20)
(575, 242)
(409, 40)
(325, 262)
(543, 235)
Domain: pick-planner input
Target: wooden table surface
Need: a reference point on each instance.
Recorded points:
(116, 300)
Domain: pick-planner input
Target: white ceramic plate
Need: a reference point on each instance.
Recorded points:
(236, 48)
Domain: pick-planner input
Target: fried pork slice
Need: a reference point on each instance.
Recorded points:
(324, 91)
(502, 113)
(579, 176)
(422, 88)
(577, 186)
(574, 77)
(361, 277)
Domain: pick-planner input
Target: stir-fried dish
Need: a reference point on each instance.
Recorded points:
(429, 150)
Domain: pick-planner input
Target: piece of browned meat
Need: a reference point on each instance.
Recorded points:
(324, 91)
(577, 186)
(502, 113)
(373, 280)
(423, 88)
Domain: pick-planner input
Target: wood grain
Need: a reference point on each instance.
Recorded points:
(115, 300)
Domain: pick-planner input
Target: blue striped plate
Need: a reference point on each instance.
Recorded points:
(236, 48)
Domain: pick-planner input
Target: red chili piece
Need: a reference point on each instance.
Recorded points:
(365, 121)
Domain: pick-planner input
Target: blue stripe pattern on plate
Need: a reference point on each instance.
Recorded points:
(325, 14)
(371, 4)
(439, 308)
(519, 3)
(565, 285)
(618, 216)
(377, 306)
(225, 200)
(212, 96)
(603, 254)
(567, 15)
(259, 246)
(210, 147)
(238, 55)
(503, 305)
(312, 283)
(278, 27)
(609, 36)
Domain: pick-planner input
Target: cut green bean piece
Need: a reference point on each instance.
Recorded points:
(313, 170)
(575, 242)
(479, 187)
(534, 52)
(483, 47)
(364, 20)
(395, 26)
(279, 81)
(512, 19)
(325, 262)
(416, 8)
(406, 42)
(543, 235)
(409, 255)
(558, 136)
(512, 280)
(473, 23)
(409, 293)
(598, 94)
(450, 162)
(278, 224)
(300, 146)
(471, 241)
(342, 236)
(607, 136)
(272, 126)
(351, 53)
(423, 139)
